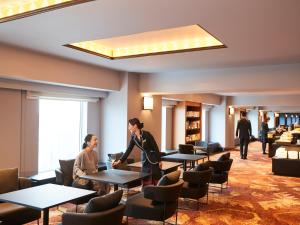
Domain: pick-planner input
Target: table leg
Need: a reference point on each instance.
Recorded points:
(46, 216)
(184, 165)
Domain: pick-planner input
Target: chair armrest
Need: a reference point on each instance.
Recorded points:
(24, 182)
(168, 193)
(59, 176)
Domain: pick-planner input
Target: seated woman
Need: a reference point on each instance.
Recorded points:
(87, 163)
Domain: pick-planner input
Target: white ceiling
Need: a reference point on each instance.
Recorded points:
(255, 32)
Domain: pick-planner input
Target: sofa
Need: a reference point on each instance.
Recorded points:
(13, 214)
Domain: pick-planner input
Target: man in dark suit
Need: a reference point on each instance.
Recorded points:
(244, 132)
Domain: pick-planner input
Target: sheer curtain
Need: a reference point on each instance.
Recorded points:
(62, 128)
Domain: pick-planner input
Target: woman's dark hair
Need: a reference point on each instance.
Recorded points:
(87, 139)
(135, 121)
(243, 113)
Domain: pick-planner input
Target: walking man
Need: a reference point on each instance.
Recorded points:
(244, 132)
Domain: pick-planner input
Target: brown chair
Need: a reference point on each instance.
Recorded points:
(105, 210)
(186, 148)
(196, 183)
(13, 214)
(156, 202)
(221, 169)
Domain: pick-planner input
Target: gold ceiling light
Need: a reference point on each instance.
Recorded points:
(16, 9)
(181, 39)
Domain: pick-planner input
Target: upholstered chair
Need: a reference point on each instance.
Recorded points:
(196, 183)
(64, 176)
(103, 210)
(156, 202)
(221, 169)
(13, 214)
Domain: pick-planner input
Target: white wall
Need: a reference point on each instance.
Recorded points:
(268, 100)
(253, 116)
(169, 127)
(263, 79)
(121, 106)
(217, 123)
(113, 127)
(271, 123)
(211, 99)
(20, 64)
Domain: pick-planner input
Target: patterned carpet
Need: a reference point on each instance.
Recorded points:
(254, 196)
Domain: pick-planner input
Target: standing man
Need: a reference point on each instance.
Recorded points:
(264, 134)
(244, 132)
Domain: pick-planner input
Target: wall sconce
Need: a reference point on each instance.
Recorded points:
(276, 114)
(230, 110)
(148, 103)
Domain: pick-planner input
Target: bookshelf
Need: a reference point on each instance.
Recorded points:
(187, 123)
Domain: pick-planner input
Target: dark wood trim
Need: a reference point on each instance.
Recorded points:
(42, 10)
(88, 51)
(148, 54)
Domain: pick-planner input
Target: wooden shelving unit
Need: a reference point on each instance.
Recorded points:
(187, 123)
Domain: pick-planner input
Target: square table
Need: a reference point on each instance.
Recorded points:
(116, 177)
(183, 158)
(167, 167)
(44, 197)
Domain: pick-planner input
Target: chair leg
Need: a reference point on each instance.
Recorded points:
(198, 203)
(76, 208)
(176, 212)
(38, 222)
(207, 197)
(221, 188)
(127, 220)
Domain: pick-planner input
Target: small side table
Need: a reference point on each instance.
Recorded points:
(43, 178)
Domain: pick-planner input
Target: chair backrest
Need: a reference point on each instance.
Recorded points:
(201, 143)
(112, 216)
(186, 148)
(66, 167)
(198, 177)
(9, 180)
(114, 156)
(220, 166)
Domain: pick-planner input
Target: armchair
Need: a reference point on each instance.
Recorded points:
(64, 176)
(156, 202)
(12, 213)
(203, 148)
(221, 169)
(186, 148)
(196, 183)
(104, 210)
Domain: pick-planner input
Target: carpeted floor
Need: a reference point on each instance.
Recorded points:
(254, 196)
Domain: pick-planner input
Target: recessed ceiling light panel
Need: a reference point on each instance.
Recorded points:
(181, 39)
(16, 9)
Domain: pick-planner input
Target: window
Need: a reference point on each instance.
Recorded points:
(62, 128)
